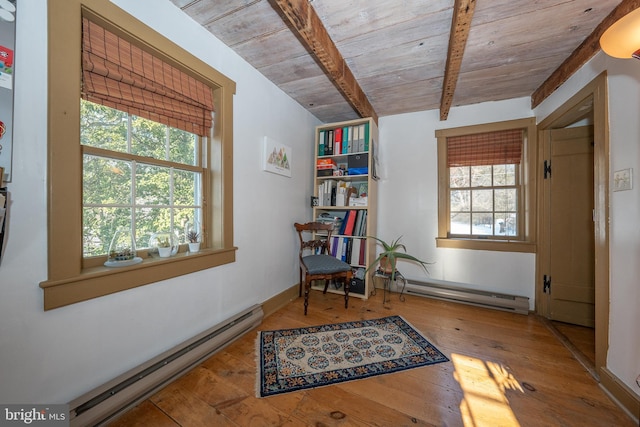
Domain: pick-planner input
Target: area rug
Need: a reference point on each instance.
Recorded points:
(296, 359)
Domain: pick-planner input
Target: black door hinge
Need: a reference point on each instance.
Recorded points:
(547, 169)
(546, 284)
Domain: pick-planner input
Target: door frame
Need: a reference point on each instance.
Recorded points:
(596, 92)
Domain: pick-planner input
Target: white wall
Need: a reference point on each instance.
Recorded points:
(624, 231)
(408, 200)
(55, 356)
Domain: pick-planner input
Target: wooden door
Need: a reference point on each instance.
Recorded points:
(571, 289)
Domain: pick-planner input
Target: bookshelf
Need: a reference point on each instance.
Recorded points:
(345, 190)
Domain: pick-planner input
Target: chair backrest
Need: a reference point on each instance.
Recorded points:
(314, 237)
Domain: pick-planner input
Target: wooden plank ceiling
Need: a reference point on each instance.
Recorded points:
(346, 59)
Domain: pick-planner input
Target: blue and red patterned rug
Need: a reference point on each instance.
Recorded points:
(297, 359)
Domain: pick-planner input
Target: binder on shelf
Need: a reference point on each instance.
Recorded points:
(344, 245)
(350, 220)
(365, 146)
(355, 252)
(337, 142)
(328, 146)
(346, 136)
(357, 228)
(333, 246)
(321, 143)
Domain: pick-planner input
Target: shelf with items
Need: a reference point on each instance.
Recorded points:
(345, 194)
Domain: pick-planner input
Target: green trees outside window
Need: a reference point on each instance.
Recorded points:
(138, 175)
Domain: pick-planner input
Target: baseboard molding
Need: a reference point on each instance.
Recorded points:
(278, 301)
(621, 394)
(108, 401)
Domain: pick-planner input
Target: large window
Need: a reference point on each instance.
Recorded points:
(486, 186)
(139, 176)
(113, 164)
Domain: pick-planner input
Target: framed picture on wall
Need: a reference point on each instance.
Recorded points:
(276, 157)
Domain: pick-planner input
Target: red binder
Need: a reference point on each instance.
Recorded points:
(351, 221)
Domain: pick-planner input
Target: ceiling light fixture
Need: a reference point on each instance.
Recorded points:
(622, 39)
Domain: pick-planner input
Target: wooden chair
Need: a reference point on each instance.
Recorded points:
(316, 262)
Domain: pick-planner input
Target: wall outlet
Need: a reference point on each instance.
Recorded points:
(622, 180)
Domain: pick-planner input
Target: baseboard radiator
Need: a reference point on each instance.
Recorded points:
(452, 291)
(102, 404)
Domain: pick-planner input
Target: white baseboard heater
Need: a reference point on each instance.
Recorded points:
(451, 291)
(102, 404)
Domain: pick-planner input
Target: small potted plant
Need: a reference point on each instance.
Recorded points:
(386, 260)
(164, 247)
(194, 241)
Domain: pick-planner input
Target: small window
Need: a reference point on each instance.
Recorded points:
(484, 187)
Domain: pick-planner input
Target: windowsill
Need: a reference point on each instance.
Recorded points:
(486, 245)
(99, 281)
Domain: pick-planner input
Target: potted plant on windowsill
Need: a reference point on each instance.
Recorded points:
(386, 260)
(194, 242)
(164, 248)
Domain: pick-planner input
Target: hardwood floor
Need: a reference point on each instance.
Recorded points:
(506, 370)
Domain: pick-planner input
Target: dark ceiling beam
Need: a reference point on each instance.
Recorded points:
(302, 18)
(587, 49)
(460, 26)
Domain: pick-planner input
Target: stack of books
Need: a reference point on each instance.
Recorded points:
(326, 167)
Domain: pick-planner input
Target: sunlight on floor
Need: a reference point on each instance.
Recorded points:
(484, 385)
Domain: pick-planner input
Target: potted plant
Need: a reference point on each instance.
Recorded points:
(386, 260)
(194, 243)
(164, 247)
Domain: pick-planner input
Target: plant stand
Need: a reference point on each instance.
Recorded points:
(386, 286)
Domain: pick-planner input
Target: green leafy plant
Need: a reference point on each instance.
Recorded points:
(192, 236)
(393, 251)
(163, 243)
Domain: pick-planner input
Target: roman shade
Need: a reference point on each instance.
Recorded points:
(120, 75)
(487, 148)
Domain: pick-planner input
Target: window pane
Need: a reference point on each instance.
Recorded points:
(460, 200)
(460, 223)
(186, 220)
(148, 138)
(103, 127)
(459, 177)
(152, 185)
(182, 147)
(186, 186)
(482, 200)
(504, 175)
(150, 221)
(506, 224)
(481, 176)
(106, 181)
(100, 225)
(506, 200)
(482, 223)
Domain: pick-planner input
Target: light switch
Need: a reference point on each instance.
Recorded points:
(622, 180)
